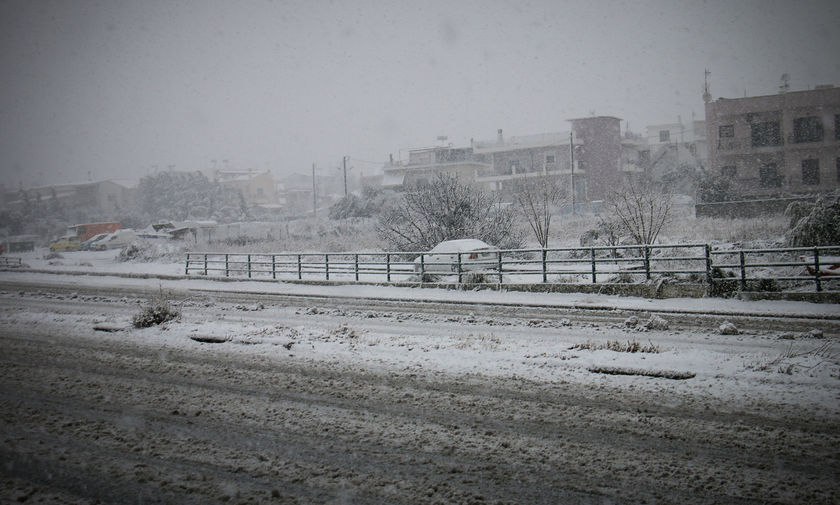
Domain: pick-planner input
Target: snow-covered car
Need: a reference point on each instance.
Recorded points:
(116, 240)
(87, 244)
(829, 265)
(65, 243)
(475, 255)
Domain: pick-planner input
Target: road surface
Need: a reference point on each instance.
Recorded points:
(133, 416)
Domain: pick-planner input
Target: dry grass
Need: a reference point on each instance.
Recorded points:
(631, 346)
(793, 360)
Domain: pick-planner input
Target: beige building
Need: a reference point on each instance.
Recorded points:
(783, 144)
(258, 188)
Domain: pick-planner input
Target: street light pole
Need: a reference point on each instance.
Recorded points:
(572, 165)
(344, 164)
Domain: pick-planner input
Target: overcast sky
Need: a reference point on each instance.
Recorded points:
(118, 89)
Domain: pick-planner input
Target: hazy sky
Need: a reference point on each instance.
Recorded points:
(120, 88)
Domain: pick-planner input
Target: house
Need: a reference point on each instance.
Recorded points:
(774, 145)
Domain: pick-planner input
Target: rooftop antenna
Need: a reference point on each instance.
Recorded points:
(784, 86)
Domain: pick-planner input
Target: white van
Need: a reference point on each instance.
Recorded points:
(116, 240)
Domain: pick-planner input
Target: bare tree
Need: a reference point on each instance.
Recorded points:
(446, 209)
(536, 200)
(642, 207)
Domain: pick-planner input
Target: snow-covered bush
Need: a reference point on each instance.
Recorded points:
(157, 310)
(150, 251)
(820, 226)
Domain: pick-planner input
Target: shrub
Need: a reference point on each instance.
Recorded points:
(426, 277)
(470, 280)
(820, 226)
(157, 310)
(723, 285)
(617, 346)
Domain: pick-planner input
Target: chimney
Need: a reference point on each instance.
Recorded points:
(500, 139)
(391, 159)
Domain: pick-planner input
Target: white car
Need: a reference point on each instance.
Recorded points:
(475, 255)
(116, 240)
(88, 244)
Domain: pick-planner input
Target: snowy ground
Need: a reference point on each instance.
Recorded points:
(767, 384)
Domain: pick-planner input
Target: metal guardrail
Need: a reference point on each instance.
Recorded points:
(695, 263)
(10, 262)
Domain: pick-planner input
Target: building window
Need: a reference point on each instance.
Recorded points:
(807, 129)
(766, 134)
(644, 158)
(729, 171)
(514, 166)
(664, 135)
(726, 130)
(550, 159)
(768, 176)
(810, 172)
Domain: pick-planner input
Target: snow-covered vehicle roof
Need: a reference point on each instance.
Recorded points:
(462, 245)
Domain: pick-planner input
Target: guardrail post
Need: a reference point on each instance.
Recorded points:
(205, 264)
(356, 266)
(817, 279)
(459, 268)
(544, 272)
(592, 256)
(422, 267)
(388, 267)
(743, 266)
(273, 266)
(500, 267)
(327, 267)
(708, 249)
(249, 266)
(647, 262)
(300, 268)
(227, 265)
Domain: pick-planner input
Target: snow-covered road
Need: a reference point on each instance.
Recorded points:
(301, 403)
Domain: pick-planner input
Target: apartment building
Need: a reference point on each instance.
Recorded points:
(783, 144)
(592, 152)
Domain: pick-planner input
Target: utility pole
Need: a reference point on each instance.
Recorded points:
(314, 194)
(572, 164)
(344, 163)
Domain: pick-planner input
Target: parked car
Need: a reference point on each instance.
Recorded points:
(116, 240)
(66, 243)
(88, 244)
(475, 255)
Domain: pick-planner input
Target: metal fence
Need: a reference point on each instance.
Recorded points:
(748, 269)
(10, 262)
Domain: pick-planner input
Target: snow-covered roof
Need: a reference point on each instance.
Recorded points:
(391, 179)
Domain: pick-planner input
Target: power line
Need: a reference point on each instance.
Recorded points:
(366, 161)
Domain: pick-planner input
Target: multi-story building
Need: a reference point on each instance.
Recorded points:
(107, 198)
(593, 153)
(783, 144)
(258, 188)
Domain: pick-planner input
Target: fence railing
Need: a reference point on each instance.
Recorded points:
(691, 263)
(10, 262)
